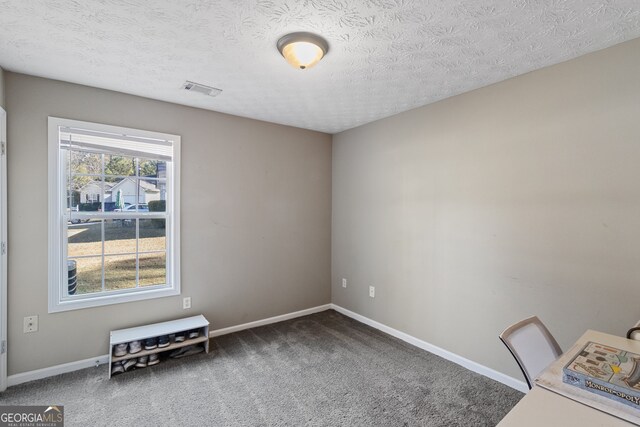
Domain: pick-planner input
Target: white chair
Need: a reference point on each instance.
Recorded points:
(634, 333)
(532, 345)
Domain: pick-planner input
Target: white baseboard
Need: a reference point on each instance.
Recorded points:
(445, 354)
(464, 362)
(275, 319)
(56, 370)
(100, 360)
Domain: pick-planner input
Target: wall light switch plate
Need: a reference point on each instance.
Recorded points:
(30, 324)
(186, 303)
(344, 283)
(372, 291)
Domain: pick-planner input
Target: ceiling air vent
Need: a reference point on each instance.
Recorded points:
(203, 89)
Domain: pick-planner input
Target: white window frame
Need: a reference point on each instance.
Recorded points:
(58, 301)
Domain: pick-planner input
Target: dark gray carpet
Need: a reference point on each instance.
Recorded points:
(319, 370)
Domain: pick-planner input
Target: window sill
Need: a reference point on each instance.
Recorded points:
(109, 299)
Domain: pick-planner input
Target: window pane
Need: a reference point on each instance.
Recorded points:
(84, 238)
(68, 193)
(88, 275)
(152, 168)
(153, 269)
(120, 194)
(87, 191)
(152, 235)
(148, 192)
(119, 272)
(119, 236)
(84, 162)
(119, 165)
(153, 195)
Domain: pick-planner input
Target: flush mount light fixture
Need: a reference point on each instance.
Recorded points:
(302, 50)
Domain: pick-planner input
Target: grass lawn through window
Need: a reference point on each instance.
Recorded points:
(85, 240)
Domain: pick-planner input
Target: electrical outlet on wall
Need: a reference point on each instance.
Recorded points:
(186, 303)
(344, 283)
(30, 324)
(372, 291)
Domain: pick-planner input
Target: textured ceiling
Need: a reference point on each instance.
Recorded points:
(386, 56)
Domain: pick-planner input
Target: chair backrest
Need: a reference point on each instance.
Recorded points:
(634, 333)
(532, 345)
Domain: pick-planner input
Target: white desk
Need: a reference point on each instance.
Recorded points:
(542, 407)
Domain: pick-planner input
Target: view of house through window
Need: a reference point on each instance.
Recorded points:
(116, 205)
(116, 252)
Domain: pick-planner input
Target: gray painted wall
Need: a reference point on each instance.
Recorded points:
(256, 218)
(516, 199)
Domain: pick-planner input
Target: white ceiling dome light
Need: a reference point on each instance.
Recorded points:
(302, 50)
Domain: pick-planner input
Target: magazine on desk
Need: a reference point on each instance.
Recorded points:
(606, 371)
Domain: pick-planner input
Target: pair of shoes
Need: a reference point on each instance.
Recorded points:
(135, 347)
(142, 362)
(117, 368)
(131, 348)
(150, 343)
(163, 341)
(181, 336)
(154, 359)
(120, 349)
(129, 364)
(154, 342)
(186, 351)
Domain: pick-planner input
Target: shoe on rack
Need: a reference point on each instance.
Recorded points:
(129, 364)
(194, 333)
(154, 359)
(175, 353)
(180, 336)
(163, 341)
(186, 351)
(142, 362)
(150, 343)
(120, 349)
(135, 347)
(117, 368)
